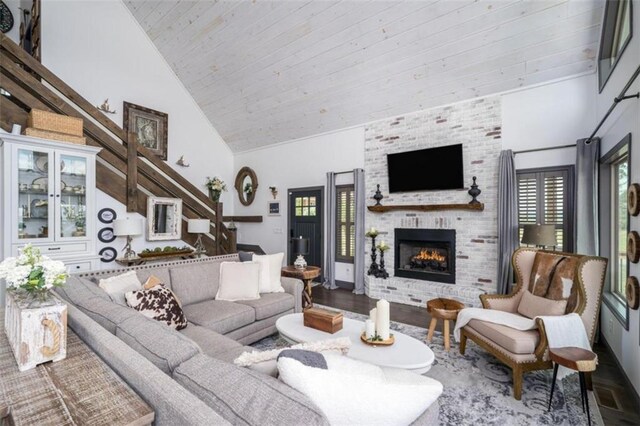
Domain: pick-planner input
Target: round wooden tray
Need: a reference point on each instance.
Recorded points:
(390, 341)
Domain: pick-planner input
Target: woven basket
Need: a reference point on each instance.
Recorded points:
(44, 120)
(55, 136)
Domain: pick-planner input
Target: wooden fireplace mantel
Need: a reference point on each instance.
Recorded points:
(426, 207)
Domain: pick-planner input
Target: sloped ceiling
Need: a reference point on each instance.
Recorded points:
(271, 71)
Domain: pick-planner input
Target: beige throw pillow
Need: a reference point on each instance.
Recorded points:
(270, 267)
(532, 306)
(239, 281)
(118, 285)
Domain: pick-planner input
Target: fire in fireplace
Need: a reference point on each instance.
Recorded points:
(426, 254)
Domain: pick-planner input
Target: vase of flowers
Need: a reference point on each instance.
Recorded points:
(215, 186)
(35, 320)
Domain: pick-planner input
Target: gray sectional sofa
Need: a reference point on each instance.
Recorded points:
(187, 376)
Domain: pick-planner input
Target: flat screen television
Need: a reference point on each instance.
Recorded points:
(426, 169)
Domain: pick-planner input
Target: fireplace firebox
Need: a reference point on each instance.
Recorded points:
(426, 254)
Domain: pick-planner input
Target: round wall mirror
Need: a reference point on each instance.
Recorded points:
(246, 185)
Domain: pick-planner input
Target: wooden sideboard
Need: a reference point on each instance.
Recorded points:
(78, 390)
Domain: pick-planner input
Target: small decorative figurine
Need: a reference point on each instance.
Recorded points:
(105, 107)
(378, 196)
(474, 192)
(274, 191)
(181, 162)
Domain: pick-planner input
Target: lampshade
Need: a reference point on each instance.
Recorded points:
(124, 227)
(300, 245)
(539, 235)
(198, 226)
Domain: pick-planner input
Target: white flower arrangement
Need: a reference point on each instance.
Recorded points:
(216, 184)
(33, 272)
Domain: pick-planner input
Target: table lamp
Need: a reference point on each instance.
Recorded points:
(199, 226)
(127, 228)
(539, 235)
(300, 247)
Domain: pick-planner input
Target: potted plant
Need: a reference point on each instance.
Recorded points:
(215, 186)
(81, 221)
(35, 319)
(248, 188)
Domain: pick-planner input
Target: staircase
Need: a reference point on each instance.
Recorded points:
(31, 85)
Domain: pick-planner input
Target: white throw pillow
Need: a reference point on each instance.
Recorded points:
(353, 392)
(118, 285)
(239, 281)
(270, 267)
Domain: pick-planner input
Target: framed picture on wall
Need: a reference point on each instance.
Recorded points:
(274, 208)
(149, 126)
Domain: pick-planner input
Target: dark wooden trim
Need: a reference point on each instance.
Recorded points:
(132, 173)
(247, 219)
(426, 207)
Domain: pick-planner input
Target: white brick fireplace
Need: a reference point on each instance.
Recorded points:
(475, 124)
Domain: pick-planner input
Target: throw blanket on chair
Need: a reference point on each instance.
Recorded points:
(494, 316)
(562, 330)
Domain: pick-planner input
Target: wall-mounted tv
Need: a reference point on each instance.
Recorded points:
(426, 169)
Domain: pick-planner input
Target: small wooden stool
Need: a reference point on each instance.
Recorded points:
(578, 359)
(446, 310)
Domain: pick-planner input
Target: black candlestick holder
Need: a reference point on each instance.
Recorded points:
(381, 272)
(374, 266)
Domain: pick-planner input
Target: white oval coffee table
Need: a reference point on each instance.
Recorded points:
(406, 353)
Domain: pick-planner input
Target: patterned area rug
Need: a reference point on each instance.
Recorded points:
(477, 387)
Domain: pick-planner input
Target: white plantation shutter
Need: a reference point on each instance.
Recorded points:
(544, 197)
(345, 238)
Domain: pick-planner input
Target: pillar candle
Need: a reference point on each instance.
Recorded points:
(370, 329)
(372, 315)
(382, 319)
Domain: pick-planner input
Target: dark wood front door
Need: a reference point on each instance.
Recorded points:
(306, 219)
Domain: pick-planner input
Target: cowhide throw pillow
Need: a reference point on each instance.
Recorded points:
(553, 276)
(158, 303)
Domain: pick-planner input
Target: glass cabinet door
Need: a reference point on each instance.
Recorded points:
(35, 194)
(72, 192)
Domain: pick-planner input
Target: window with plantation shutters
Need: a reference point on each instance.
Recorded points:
(545, 196)
(345, 229)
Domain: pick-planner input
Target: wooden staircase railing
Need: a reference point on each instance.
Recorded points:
(31, 85)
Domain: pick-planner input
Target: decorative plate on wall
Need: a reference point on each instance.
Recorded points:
(633, 247)
(108, 254)
(106, 235)
(6, 18)
(633, 293)
(633, 199)
(107, 215)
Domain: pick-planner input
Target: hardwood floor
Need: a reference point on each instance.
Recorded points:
(614, 395)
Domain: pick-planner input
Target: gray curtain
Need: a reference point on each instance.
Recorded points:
(330, 256)
(358, 256)
(586, 209)
(507, 219)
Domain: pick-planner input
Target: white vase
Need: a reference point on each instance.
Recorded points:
(36, 329)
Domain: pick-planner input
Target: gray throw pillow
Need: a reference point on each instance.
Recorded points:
(308, 358)
(245, 256)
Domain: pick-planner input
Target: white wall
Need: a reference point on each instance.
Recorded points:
(549, 115)
(295, 164)
(99, 49)
(626, 119)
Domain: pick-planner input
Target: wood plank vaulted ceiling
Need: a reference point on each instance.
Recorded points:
(270, 71)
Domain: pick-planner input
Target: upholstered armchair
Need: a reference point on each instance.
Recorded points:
(525, 351)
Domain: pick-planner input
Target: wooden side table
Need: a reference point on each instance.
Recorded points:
(307, 276)
(446, 310)
(78, 390)
(581, 360)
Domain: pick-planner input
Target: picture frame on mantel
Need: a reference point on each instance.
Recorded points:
(149, 126)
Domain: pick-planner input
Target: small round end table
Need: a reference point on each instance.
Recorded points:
(446, 310)
(578, 359)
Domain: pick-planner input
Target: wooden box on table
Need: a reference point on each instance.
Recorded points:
(323, 319)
